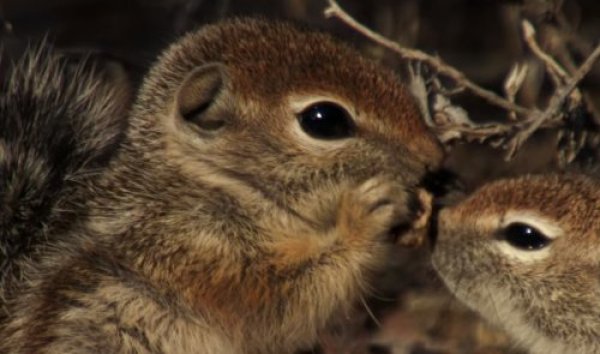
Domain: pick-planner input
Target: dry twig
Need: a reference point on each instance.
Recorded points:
(557, 73)
(513, 83)
(334, 10)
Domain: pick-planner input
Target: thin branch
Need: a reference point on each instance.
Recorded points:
(513, 83)
(583, 70)
(558, 74)
(561, 95)
(334, 10)
(553, 111)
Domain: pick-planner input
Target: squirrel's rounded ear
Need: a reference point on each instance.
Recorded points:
(197, 94)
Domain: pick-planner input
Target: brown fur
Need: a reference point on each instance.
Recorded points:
(549, 304)
(250, 239)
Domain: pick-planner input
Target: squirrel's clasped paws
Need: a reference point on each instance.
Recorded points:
(376, 210)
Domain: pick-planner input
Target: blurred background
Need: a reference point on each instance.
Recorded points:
(413, 313)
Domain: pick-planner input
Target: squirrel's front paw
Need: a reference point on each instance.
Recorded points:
(376, 209)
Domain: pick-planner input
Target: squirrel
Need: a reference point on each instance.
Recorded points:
(522, 252)
(264, 175)
(60, 120)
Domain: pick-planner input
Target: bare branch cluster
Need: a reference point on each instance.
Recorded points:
(452, 123)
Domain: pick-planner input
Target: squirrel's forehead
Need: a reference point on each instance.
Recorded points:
(280, 55)
(272, 61)
(554, 196)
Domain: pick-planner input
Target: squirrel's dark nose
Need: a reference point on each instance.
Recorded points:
(441, 182)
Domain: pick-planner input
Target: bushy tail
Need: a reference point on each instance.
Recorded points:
(58, 120)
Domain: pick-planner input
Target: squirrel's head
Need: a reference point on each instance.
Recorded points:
(524, 253)
(281, 107)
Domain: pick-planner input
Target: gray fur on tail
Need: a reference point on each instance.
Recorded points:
(59, 121)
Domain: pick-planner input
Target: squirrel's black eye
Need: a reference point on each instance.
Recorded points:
(326, 120)
(525, 237)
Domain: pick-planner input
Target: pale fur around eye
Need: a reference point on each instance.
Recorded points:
(298, 104)
(540, 224)
(544, 224)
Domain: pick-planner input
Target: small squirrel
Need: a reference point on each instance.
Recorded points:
(60, 120)
(264, 175)
(523, 253)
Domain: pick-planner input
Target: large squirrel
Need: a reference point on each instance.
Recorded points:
(264, 175)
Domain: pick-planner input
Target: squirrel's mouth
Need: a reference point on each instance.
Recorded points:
(432, 230)
(445, 188)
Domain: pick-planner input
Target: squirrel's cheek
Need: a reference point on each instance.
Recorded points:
(298, 249)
